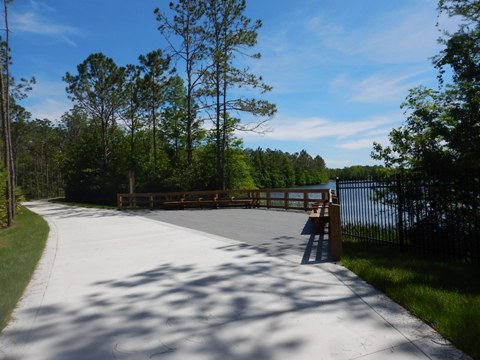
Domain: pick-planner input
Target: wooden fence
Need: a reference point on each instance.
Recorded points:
(296, 199)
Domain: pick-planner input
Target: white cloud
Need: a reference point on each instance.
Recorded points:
(33, 21)
(412, 39)
(357, 144)
(48, 108)
(364, 143)
(337, 163)
(401, 36)
(47, 100)
(311, 129)
(380, 87)
(323, 46)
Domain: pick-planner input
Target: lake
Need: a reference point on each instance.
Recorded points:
(357, 204)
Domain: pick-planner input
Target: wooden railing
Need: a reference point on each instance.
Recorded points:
(297, 199)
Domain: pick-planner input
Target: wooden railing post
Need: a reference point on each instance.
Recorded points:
(335, 231)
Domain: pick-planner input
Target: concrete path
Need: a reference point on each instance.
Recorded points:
(115, 285)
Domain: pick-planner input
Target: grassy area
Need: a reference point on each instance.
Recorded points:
(20, 249)
(444, 294)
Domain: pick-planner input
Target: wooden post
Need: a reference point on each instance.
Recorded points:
(256, 194)
(131, 181)
(119, 201)
(335, 231)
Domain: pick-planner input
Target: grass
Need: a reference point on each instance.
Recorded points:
(444, 294)
(20, 249)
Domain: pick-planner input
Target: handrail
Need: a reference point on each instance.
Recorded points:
(298, 199)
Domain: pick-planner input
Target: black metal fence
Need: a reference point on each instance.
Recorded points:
(430, 216)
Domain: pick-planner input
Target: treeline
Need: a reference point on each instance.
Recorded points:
(54, 159)
(277, 169)
(356, 172)
(122, 125)
(170, 119)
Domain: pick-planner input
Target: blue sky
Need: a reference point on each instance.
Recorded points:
(339, 68)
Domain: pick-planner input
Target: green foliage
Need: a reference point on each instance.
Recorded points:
(144, 118)
(190, 48)
(86, 179)
(39, 150)
(3, 198)
(97, 89)
(238, 170)
(439, 139)
(230, 34)
(276, 169)
(442, 130)
(153, 87)
(356, 172)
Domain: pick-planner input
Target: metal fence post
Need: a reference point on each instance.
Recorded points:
(335, 231)
(337, 188)
(401, 234)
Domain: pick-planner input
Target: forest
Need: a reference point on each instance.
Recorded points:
(172, 120)
(54, 159)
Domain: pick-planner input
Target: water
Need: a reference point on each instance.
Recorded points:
(358, 204)
(330, 185)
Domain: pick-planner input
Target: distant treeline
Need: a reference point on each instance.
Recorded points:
(355, 172)
(50, 156)
(277, 169)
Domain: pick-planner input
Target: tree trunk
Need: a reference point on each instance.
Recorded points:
(104, 127)
(224, 132)
(5, 110)
(189, 125)
(218, 129)
(154, 125)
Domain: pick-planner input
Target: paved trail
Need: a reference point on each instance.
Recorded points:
(115, 285)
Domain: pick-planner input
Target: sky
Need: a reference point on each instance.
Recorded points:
(339, 69)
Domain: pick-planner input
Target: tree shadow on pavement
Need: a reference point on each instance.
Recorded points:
(210, 299)
(251, 307)
(68, 211)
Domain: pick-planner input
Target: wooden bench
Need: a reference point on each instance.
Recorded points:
(319, 215)
(210, 202)
(190, 201)
(234, 201)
